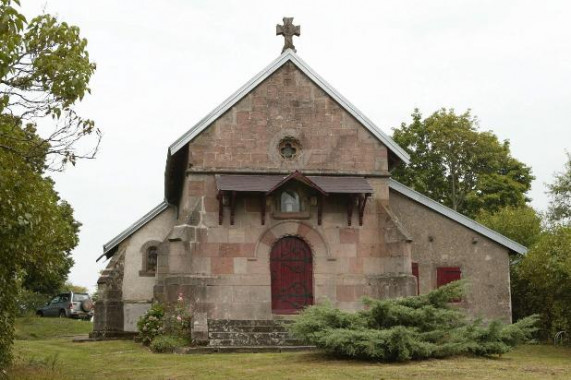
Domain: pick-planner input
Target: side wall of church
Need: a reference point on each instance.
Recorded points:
(138, 285)
(441, 242)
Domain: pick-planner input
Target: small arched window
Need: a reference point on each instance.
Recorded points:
(151, 262)
(289, 201)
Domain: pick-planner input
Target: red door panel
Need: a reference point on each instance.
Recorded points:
(415, 274)
(291, 269)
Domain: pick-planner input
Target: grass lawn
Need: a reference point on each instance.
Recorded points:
(45, 354)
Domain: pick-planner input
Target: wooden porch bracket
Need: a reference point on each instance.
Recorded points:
(319, 209)
(350, 204)
(362, 203)
(263, 209)
(220, 197)
(232, 207)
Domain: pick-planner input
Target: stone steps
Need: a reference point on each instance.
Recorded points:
(224, 332)
(240, 349)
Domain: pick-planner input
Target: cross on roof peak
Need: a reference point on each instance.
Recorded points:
(288, 30)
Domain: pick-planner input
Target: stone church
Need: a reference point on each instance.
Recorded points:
(281, 198)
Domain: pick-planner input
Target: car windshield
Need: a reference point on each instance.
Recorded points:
(80, 297)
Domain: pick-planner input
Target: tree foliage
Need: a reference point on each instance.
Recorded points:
(521, 224)
(560, 196)
(420, 327)
(458, 165)
(44, 72)
(68, 286)
(545, 277)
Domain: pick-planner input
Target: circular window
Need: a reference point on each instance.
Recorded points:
(289, 148)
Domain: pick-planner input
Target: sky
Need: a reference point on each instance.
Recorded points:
(163, 65)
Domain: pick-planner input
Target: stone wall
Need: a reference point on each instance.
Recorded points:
(108, 316)
(288, 104)
(438, 241)
(224, 269)
(137, 286)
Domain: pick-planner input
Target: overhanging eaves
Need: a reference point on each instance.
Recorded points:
(113, 243)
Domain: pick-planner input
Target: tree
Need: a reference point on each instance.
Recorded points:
(546, 272)
(523, 225)
(459, 166)
(44, 72)
(560, 196)
(68, 286)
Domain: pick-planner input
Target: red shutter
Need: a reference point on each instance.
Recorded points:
(446, 275)
(415, 274)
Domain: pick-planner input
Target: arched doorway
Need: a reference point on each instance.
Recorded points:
(291, 268)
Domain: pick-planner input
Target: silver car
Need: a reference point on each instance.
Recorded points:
(68, 305)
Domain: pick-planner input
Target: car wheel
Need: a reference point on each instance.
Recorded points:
(40, 314)
(62, 314)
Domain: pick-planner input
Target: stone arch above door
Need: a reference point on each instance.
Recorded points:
(313, 238)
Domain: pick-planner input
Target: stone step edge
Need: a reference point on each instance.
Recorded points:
(241, 349)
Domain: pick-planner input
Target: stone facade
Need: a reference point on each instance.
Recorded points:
(222, 267)
(440, 242)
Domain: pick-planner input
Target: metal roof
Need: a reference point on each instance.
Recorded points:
(457, 217)
(266, 183)
(111, 244)
(288, 56)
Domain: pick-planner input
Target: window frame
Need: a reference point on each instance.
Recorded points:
(145, 249)
(443, 277)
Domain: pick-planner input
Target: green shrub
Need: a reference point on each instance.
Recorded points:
(178, 319)
(420, 327)
(30, 301)
(169, 320)
(167, 343)
(151, 324)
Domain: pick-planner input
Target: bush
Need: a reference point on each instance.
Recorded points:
(178, 319)
(151, 324)
(167, 343)
(29, 301)
(170, 320)
(420, 327)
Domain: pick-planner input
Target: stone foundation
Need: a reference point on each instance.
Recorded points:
(250, 333)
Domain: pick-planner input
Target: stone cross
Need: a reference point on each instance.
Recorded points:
(288, 30)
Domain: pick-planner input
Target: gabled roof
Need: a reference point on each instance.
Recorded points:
(457, 217)
(296, 176)
(110, 246)
(288, 56)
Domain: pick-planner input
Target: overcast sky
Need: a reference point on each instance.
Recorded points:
(163, 65)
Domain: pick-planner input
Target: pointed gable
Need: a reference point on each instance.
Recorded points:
(286, 100)
(289, 56)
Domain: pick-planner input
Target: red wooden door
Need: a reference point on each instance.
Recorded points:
(415, 274)
(291, 269)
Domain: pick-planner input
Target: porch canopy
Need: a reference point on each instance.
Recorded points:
(358, 188)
